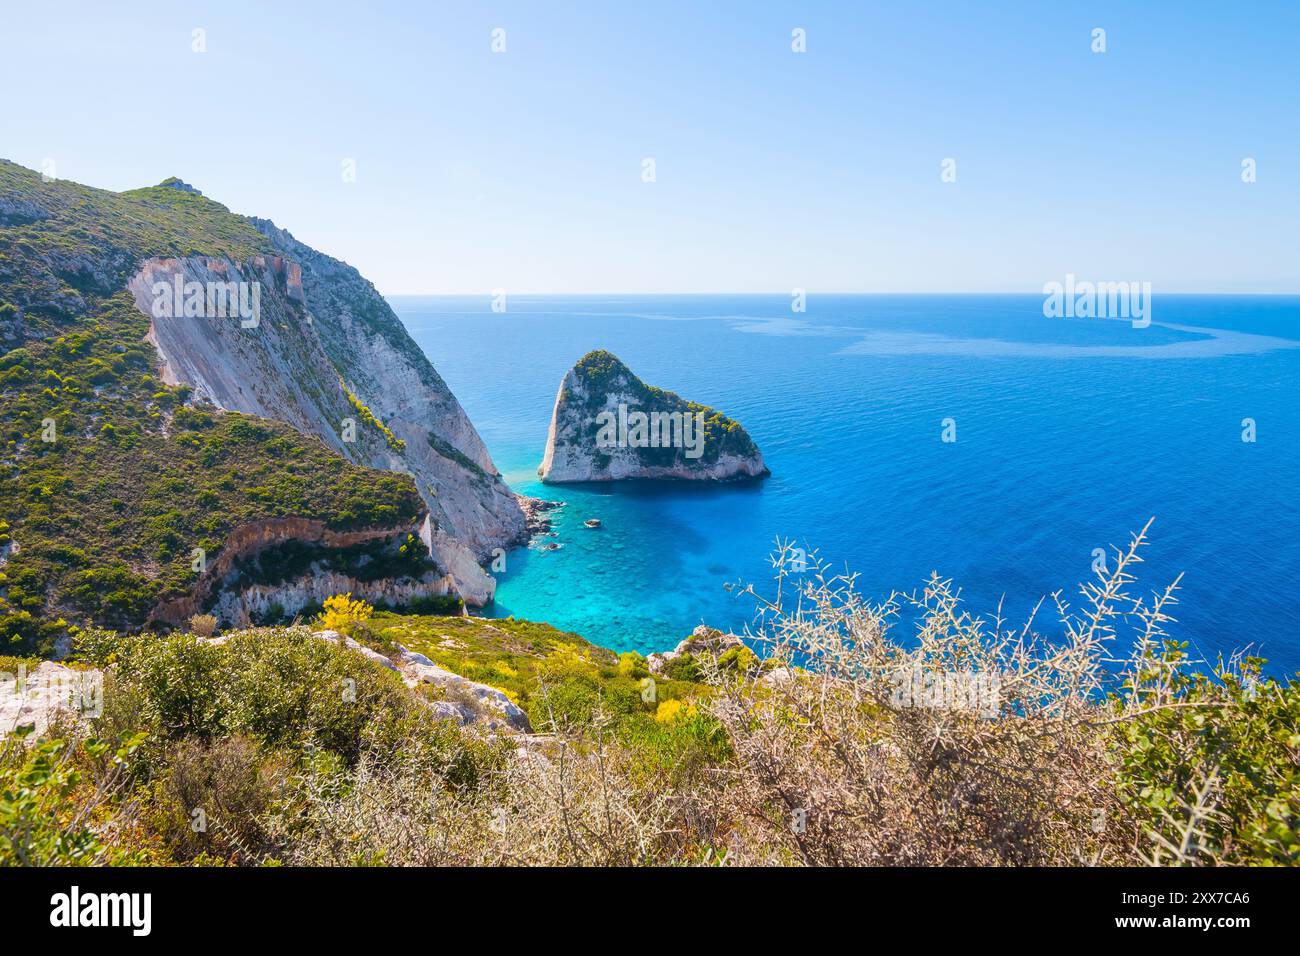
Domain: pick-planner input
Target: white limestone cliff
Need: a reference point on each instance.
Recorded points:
(322, 332)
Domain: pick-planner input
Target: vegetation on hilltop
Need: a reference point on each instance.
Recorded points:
(555, 676)
(67, 244)
(254, 731)
(109, 479)
(110, 511)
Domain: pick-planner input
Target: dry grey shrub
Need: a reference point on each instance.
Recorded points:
(382, 812)
(556, 800)
(204, 625)
(839, 761)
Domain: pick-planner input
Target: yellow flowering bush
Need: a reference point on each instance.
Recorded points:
(343, 614)
(673, 710)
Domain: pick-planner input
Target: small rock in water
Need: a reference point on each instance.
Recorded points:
(592, 522)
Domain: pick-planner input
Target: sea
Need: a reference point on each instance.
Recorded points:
(970, 436)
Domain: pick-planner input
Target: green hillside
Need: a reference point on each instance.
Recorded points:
(102, 521)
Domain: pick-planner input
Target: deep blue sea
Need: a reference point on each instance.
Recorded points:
(1071, 433)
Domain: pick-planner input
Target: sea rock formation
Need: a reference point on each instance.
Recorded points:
(608, 425)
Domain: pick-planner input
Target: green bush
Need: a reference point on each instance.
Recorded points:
(213, 796)
(740, 659)
(573, 702)
(684, 668)
(1243, 730)
(442, 605)
(633, 665)
(47, 800)
(678, 750)
(280, 687)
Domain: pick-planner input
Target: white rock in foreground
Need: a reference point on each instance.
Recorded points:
(46, 693)
(478, 701)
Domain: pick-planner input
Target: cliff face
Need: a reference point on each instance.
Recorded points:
(608, 425)
(219, 590)
(136, 432)
(326, 355)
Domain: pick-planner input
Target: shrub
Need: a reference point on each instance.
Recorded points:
(684, 668)
(740, 659)
(437, 604)
(49, 800)
(575, 703)
(203, 625)
(671, 711)
(343, 614)
(1235, 738)
(282, 687)
(891, 753)
(631, 664)
(213, 796)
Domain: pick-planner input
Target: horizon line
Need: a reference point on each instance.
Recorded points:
(786, 293)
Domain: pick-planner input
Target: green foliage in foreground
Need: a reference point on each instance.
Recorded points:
(557, 677)
(225, 728)
(1236, 734)
(271, 732)
(234, 727)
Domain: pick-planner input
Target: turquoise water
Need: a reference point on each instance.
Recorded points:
(1070, 435)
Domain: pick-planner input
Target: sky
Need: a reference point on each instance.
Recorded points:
(524, 170)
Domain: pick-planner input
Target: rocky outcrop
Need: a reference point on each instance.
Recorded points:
(15, 211)
(704, 642)
(462, 700)
(608, 425)
(243, 607)
(325, 354)
(47, 693)
(537, 512)
(248, 540)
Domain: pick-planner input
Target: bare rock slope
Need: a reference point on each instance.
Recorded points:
(326, 354)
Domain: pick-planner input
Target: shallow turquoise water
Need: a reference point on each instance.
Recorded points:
(1070, 434)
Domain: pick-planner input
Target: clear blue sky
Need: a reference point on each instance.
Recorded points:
(775, 170)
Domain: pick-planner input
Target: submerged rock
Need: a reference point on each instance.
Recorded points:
(537, 514)
(608, 425)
